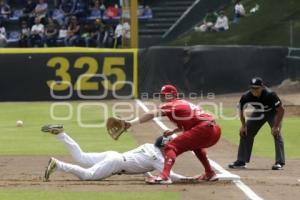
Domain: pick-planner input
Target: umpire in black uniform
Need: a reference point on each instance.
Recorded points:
(267, 108)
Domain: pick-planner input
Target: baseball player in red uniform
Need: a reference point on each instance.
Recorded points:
(199, 131)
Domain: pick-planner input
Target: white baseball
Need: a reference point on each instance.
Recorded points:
(19, 123)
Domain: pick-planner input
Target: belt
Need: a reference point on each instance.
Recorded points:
(210, 123)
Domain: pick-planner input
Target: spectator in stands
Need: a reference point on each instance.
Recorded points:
(81, 9)
(208, 22)
(73, 34)
(112, 11)
(85, 35)
(140, 11)
(37, 33)
(95, 10)
(25, 33)
(28, 12)
(126, 33)
(41, 10)
(68, 8)
(58, 16)
(239, 11)
(147, 12)
(5, 10)
(3, 38)
(102, 7)
(221, 23)
(118, 35)
(109, 35)
(97, 33)
(62, 34)
(51, 32)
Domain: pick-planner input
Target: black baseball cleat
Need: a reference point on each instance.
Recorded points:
(237, 165)
(51, 167)
(277, 166)
(53, 129)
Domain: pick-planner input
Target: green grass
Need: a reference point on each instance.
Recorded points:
(29, 140)
(28, 195)
(269, 26)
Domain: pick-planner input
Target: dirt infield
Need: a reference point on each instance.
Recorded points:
(26, 172)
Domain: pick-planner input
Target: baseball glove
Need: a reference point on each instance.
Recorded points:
(115, 127)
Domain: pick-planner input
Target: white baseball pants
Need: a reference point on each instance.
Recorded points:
(102, 165)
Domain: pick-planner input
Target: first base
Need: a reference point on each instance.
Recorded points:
(228, 177)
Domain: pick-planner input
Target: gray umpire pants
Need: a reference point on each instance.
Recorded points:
(254, 123)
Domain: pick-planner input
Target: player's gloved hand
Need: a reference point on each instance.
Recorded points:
(127, 124)
(275, 131)
(168, 133)
(243, 131)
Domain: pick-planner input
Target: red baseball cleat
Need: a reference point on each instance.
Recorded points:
(158, 180)
(211, 176)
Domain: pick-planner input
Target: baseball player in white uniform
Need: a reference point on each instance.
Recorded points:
(143, 159)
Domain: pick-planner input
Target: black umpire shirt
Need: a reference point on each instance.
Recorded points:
(268, 101)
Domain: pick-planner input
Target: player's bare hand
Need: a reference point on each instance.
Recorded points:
(275, 131)
(168, 133)
(243, 131)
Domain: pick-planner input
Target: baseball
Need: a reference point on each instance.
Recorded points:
(19, 123)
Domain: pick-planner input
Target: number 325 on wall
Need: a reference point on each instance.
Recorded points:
(111, 66)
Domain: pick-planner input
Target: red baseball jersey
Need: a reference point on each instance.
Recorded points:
(184, 114)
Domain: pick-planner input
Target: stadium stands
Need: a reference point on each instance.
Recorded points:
(15, 13)
(165, 14)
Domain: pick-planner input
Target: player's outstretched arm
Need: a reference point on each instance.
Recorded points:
(148, 175)
(145, 117)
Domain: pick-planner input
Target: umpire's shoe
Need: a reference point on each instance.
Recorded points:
(52, 164)
(237, 165)
(53, 129)
(277, 166)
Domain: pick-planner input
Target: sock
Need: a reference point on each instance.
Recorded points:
(170, 157)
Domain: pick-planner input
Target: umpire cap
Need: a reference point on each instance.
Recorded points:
(256, 82)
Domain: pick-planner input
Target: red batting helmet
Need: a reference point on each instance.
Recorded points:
(169, 89)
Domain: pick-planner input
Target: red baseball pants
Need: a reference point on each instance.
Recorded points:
(201, 136)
